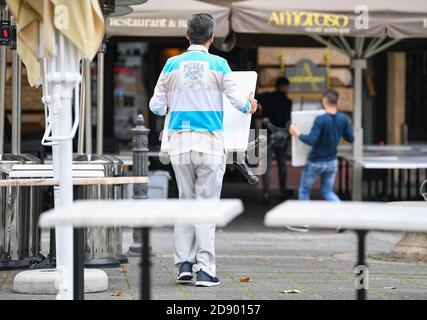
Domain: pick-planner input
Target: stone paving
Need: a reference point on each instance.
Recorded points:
(318, 264)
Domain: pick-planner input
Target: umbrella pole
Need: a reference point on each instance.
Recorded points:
(358, 65)
(16, 102)
(81, 136)
(62, 154)
(100, 102)
(88, 105)
(64, 78)
(3, 48)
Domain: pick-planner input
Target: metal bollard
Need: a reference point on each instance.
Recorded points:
(140, 169)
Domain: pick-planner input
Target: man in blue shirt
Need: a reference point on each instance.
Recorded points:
(324, 137)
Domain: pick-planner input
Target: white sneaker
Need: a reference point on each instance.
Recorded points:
(305, 228)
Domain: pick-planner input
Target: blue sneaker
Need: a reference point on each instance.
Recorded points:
(185, 273)
(205, 280)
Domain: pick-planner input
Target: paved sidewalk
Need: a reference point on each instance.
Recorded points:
(318, 264)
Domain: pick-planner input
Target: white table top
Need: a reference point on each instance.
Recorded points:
(389, 156)
(35, 167)
(143, 213)
(350, 215)
(49, 174)
(393, 164)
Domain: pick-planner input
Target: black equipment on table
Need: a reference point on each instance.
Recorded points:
(241, 160)
(278, 136)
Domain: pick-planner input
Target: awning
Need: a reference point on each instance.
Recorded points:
(358, 29)
(391, 18)
(166, 18)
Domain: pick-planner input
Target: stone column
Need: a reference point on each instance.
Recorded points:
(396, 97)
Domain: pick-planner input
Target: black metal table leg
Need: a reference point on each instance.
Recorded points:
(145, 264)
(377, 188)
(52, 243)
(347, 180)
(385, 189)
(392, 185)
(78, 270)
(369, 180)
(408, 185)
(340, 189)
(417, 180)
(361, 277)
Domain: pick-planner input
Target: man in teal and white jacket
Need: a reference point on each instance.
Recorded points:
(191, 88)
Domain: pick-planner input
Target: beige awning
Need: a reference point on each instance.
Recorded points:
(86, 32)
(392, 18)
(166, 18)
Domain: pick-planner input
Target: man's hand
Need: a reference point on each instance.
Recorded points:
(253, 102)
(294, 130)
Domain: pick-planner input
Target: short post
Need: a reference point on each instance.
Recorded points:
(145, 264)
(362, 276)
(140, 169)
(79, 265)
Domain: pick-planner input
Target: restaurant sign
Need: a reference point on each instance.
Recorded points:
(147, 23)
(311, 21)
(305, 76)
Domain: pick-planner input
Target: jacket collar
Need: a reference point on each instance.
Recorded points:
(197, 47)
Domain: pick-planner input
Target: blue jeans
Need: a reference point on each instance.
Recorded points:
(327, 171)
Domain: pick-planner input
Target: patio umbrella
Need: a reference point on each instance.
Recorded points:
(51, 49)
(359, 31)
(165, 18)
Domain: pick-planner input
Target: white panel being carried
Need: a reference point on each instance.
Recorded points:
(304, 120)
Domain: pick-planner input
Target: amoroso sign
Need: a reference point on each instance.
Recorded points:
(310, 21)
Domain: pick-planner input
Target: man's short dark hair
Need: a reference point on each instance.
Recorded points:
(332, 96)
(200, 28)
(281, 82)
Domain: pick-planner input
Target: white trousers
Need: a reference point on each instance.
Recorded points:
(199, 176)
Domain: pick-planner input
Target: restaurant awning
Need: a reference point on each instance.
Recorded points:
(166, 18)
(373, 18)
(360, 30)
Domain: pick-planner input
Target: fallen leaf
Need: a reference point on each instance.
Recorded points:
(289, 291)
(124, 270)
(117, 294)
(246, 279)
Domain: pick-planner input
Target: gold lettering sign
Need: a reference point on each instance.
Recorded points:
(307, 19)
(305, 76)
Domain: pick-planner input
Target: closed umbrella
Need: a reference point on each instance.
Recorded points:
(51, 49)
